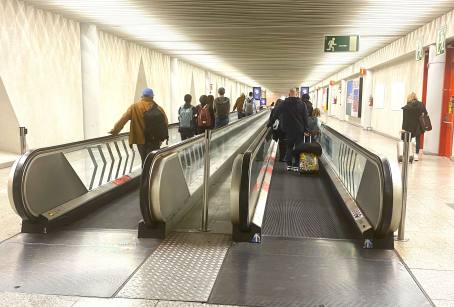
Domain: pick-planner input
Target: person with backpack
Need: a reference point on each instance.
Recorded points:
(293, 115)
(307, 101)
(275, 122)
(148, 127)
(249, 105)
(221, 108)
(314, 125)
(187, 115)
(239, 104)
(204, 118)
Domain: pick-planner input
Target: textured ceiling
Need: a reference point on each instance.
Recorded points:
(275, 44)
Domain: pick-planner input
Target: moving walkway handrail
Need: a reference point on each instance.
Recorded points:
(18, 174)
(241, 181)
(153, 157)
(388, 213)
(109, 151)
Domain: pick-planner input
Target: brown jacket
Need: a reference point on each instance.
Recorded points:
(239, 103)
(135, 115)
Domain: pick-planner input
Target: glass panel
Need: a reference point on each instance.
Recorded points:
(224, 143)
(82, 165)
(227, 141)
(192, 163)
(348, 164)
(102, 163)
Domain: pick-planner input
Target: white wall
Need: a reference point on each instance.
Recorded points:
(409, 74)
(434, 101)
(9, 126)
(40, 68)
(394, 64)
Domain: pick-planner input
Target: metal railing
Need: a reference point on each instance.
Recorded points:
(247, 176)
(187, 167)
(43, 181)
(370, 183)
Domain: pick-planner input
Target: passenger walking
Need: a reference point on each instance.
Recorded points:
(307, 101)
(411, 116)
(275, 122)
(314, 125)
(293, 114)
(147, 137)
(210, 103)
(249, 105)
(221, 109)
(204, 118)
(239, 104)
(187, 115)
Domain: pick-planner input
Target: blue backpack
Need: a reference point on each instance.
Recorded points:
(186, 116)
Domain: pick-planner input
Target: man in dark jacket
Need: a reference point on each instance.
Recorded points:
(221, 109)
(307, 101)
(410, 122)
(293, 113)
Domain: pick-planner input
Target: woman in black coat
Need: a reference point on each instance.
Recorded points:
(411, 113)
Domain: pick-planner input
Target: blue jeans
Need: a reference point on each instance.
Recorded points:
(221, 121)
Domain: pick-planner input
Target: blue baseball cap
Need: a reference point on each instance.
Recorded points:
(147, 92)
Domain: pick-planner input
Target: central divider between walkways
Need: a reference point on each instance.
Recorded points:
(172, 179)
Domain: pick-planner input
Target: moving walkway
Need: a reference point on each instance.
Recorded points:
(87, 184)
(321, 240)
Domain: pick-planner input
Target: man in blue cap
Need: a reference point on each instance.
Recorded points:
(135, 114)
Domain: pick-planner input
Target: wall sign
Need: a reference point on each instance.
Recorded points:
(257, 92)
(441, 40)
(304, 90)
(419, 51)
(348, 43)
(353, 92)
(263, 101)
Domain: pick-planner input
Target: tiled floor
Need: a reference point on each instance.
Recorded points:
(429, 252)
(7, 159)
(40, 300)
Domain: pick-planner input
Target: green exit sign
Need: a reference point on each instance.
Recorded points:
(341, 43)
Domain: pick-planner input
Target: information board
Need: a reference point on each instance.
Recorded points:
(353, 97)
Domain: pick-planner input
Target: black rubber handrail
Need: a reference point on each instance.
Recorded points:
(21, 166)
(382, 228)
(243, 210)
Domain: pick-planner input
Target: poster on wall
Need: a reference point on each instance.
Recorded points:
(353, 99)
(304, 90)
(263, 101)
(257, 92)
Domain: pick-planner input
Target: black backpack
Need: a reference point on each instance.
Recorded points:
(155, 125)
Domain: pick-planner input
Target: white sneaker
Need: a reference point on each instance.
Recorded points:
(415, 157)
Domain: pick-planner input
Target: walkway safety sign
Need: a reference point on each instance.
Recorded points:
(419, 50)
(441, 40)
(346, 43)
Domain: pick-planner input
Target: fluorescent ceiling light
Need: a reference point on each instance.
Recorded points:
(139, 25)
